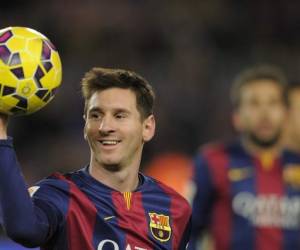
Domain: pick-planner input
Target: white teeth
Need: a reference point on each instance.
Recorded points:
(109, 142)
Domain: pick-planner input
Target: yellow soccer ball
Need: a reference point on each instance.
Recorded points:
(30, 70)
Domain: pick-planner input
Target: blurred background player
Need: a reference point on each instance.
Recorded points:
(108, 204)
(245, 195)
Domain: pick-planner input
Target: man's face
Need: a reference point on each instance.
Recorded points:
(261, 113)
(294, 116)
(115, 130)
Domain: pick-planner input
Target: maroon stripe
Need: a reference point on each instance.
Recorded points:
(81, 218)
(221, 226)
(269, 182)
(133, 222)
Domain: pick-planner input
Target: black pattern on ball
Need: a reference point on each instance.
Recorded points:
(4, 54)
(18, 72)
(5, 36)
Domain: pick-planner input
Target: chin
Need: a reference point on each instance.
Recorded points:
(112, 167)
(265, 141)
(110, 163)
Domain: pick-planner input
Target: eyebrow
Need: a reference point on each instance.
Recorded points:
(95, 109)
(117, 110)
(122, 110)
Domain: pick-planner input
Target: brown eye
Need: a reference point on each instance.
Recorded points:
(120, 115)
(94, 115)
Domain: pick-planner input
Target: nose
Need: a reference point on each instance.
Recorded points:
(106, 125)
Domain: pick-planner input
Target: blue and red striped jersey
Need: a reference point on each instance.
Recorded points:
(247, 202)
(76, 212)
(90, 215)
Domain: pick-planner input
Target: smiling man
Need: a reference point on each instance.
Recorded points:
(108, 204)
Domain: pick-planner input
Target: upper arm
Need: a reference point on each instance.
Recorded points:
(203, 199)
(50, 204)
(204, 193)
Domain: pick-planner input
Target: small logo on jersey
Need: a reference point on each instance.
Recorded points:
(291, 175)
(127, 198)
(109, 218)
(32, 190)
(160, 226)
(239, 174)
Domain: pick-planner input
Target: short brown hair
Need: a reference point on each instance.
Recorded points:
(256, 73)
(98, 79)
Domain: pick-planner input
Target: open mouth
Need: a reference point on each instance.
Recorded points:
(109, 142)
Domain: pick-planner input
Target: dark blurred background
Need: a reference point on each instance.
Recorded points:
(189, 50)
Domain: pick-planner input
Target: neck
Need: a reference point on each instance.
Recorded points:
(123, 180)
(257, 150)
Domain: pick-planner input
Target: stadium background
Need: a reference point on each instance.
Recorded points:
(189, 50)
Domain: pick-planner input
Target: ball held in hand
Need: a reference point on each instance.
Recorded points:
(30, 70)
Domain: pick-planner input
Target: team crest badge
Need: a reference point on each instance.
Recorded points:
(160, 226)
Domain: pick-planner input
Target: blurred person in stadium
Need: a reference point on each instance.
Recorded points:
(246, 196)
(292, 131)
(108, 204)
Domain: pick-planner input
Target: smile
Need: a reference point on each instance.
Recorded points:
(109, 142)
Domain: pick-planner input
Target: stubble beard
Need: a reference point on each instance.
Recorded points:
(111, 167)
(264, 143)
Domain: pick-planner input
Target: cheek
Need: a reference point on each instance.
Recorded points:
(89, 131)
(279, 115)
(135, 133)
(241, 120)
(295, 120)
(249, 117)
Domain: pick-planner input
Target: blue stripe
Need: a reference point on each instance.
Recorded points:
(104, 229)
(7, 244)
(243, 235)
(291, 237)
(155, 200)
(107, 229)
(54, 190)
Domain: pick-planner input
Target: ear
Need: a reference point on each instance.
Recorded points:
(84, 128)
(148, 128)
(236, 121)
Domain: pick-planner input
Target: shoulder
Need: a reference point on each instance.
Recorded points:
(51, 194)
(213, 161)
(220, 148)
(212, 148)
(177, 201)
(54, 189)
(210, 154)
(290, 156)
(219, 153)
(55, 181)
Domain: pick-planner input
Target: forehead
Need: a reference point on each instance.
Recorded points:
(113, 98)
(263, 88)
